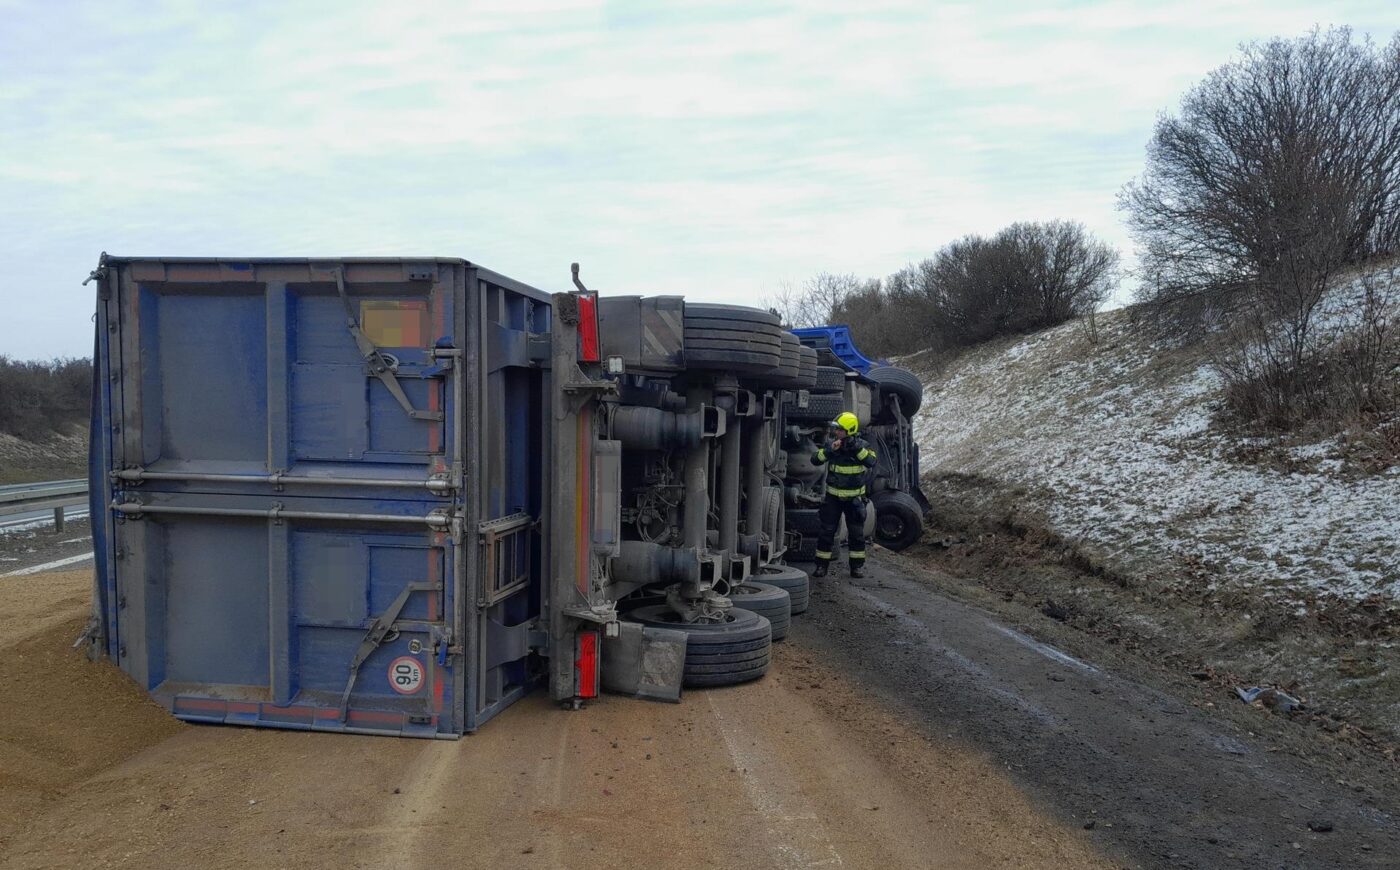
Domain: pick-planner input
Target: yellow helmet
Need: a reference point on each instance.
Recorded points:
(847, 421)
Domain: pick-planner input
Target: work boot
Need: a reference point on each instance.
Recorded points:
(820, 570)
(858, 569)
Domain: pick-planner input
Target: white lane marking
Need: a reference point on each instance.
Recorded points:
(49, 566)
(1045, 649)
(770, 806)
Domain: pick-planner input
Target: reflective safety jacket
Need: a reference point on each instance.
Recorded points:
(846, 476)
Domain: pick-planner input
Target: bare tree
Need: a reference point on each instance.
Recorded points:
(816, 301)
(1282, 169)
(786, 302)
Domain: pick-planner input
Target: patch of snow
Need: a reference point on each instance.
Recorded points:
(1113, 443)
(1313, 451)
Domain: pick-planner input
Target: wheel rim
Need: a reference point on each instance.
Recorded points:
(890, 527)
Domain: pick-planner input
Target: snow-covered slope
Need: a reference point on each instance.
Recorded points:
(1113, 443)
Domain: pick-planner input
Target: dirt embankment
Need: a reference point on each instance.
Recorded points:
(1091, 478)
(59, 457)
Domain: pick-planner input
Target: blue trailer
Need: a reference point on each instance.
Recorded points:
(392, 496)
(290, 458)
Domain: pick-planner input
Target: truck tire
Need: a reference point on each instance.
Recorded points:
(820, 409)
(737, 313)
(749, 326)
(902, 383)
(794, 580)
(807, 368)
(743, 362)
(755, 340)
(898, 519)
(767, 601)
(786, 375)
(717, 653)
(792, 360)
(732, 338)
(830, 379)
(737, 345)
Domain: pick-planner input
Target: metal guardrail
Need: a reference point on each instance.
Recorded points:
(53, 495)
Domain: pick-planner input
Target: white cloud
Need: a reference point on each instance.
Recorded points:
(714, 150)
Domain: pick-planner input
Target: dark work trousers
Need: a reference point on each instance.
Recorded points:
(830, 513)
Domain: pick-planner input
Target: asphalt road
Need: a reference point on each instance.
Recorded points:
(897, 729)
(32, 546)
(1160, 782)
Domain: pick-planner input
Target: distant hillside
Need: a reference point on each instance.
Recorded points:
(1115, 443)
(58, 456)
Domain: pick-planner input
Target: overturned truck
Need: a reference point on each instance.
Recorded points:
(394, 495)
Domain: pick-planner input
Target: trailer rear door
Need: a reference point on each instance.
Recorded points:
(292, 535)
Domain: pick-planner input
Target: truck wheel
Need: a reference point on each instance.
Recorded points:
(757, 327)
(830, 379)
(792, 361)
(786, 375)
(898, 519)
(731, 360)
(820, 409)
(902, 383)
(794, 580)
(807, 369)
(737, 313)
(767, 601)
(732, 338)
(717, 653)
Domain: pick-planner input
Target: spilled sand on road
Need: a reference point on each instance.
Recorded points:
(800, 769)
(62, 718)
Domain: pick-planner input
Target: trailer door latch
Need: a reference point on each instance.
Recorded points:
(380, 364)
(378, 631)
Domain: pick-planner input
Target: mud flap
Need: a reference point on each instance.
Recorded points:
(644, 662)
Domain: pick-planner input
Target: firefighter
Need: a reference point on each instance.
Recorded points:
(847, 457)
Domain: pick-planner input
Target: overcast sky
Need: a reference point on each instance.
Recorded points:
(713, 151)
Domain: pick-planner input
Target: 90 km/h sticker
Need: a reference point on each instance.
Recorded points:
(406, 675)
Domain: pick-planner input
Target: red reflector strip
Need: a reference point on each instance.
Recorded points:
(586, 665)
(588, 327)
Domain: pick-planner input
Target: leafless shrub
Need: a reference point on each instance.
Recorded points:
(1027, 277)
(883, 322)
(1281, 171)
(1346, 377)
